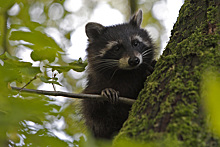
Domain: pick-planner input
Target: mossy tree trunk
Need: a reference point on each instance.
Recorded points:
(170, 104)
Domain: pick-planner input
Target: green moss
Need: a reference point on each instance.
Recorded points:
(211, 14)
(170, 103)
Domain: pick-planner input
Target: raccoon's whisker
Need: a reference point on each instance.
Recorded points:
(105, 61)
(101, 69)
(109, 61)
(146, 52)
(146, 56)
(104, 65)
(146, 59)
(113, 74)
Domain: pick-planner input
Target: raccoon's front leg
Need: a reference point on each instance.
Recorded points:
(111, 94)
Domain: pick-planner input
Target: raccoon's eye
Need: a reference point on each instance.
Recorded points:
(116, 48)
(135, 43)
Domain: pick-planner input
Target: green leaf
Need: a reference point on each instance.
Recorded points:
(9, 74)
(37, 38)
(50, 80)
(6, 4)
(16, 69)
(77, 65)
(30, 71)
(11, 57)
(44, 54)
(19, 108)
(30, 24)
(6, 56)
(44, 47)
(60, 69)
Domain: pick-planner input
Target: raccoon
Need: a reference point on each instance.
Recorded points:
(120, 57)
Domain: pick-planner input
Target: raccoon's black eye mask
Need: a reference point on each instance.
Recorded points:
(116, 47)
(135, 43)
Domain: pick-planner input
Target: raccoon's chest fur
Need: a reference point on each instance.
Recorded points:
(128, 83)
(119, 57)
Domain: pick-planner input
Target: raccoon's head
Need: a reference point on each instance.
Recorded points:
(119, 47)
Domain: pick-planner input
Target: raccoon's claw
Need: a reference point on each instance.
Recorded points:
(111, 94)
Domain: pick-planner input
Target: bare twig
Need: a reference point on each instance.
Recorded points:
(35, 77)
(74, 95)
(54, 76)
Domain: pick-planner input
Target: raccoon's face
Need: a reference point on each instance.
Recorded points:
(120, 47)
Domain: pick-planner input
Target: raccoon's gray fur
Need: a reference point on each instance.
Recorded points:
(119, 60)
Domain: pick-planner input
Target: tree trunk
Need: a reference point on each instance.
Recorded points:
(170, 104)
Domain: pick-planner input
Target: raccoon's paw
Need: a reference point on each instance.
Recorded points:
(111, 94)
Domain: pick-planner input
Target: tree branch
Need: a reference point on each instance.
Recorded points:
(74, 95)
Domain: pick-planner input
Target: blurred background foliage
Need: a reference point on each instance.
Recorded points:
(35, 36)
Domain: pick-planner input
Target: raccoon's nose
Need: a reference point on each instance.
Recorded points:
(134, 61)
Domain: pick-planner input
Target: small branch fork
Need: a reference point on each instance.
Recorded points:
(74, 95)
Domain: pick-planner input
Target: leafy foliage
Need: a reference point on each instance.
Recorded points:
(47, 49)
(18, 109)
(29, 119)
(19, 69)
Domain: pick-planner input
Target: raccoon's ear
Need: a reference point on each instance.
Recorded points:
(136, 19)
(93, 30)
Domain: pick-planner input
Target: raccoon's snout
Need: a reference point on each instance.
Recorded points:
(128, 63)
(133, 61)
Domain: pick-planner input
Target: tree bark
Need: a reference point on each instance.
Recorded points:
(171, 103)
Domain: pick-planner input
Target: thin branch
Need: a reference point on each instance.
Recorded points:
(54, 76)
(35, 77)
(74, 95)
